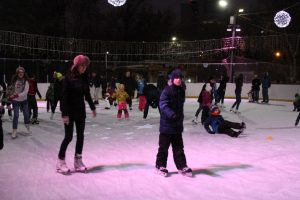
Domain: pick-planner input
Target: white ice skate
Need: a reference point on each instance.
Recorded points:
(162, 171)
(14, 134)
(186, 171)
(195, 120)
(61, 167)
(78, 164)
(28, 129)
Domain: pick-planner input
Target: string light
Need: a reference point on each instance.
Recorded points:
(117, 3)
(282, 19)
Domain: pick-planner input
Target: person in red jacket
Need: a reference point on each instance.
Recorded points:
(32, 104)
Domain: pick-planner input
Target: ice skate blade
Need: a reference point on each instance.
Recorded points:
(63, 173)
(85, 171)
(164, 174)
(190, 174)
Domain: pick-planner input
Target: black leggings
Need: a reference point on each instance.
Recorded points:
(80, 125)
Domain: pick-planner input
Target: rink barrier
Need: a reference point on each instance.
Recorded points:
(278, 92)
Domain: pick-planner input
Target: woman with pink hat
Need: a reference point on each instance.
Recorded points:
(75, 90)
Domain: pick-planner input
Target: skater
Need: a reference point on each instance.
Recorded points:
(19, 99)
(207, 98)
(296, 102)
(49, 96)
(32, 104)
(238, 91)
(58, 80)
(152, 98)
(130, 86)
(4, 99)
(140, 92)
(95, 83)
(1, 128)
(297, 120)
(195, 120)
(121, 97)
(221, 90)
(161, 82)
(75, 90)
(171, 126)
(108, 97)
(219, 125)
(255, 88)
(103, 82)
(266, 84)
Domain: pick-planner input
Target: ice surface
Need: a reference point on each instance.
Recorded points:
(263, 163)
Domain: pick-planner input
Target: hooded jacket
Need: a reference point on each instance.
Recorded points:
(171, 106)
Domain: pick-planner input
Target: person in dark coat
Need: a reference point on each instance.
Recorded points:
(103, 86)
(219, 125)
(161, 82)
(266, 84)
(255, 88)
(95, 83)
(75, 90)
(57, 85)
(222, 89)
(32, 104)
(238, 92)
(152, 98)
(171, 126)
(195, 120)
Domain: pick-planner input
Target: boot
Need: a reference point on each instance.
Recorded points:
(14, 134)
(52, 115)
(28, 129)
(78, 164)
(186, 171)
(61, 167)
(162, 171)
(195, 120)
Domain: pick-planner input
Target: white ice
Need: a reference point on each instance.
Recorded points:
(263, 163)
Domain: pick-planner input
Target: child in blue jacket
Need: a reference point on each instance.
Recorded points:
(219, 125)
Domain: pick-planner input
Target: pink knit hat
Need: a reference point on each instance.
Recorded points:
(80, 60)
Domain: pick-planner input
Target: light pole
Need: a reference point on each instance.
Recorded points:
(234, 28)
(106, 54)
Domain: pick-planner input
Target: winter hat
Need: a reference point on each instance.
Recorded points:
(176, 74)
(20, 69)
(58, 75)
(214, 110)
(80, 60)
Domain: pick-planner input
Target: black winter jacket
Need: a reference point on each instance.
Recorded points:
(171, 104)
(74, 91)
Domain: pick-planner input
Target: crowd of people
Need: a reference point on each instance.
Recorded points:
(167, 96)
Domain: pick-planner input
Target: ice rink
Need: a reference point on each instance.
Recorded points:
(263, 163)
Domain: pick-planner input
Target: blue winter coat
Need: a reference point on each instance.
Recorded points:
(171, 106)
(214, 122)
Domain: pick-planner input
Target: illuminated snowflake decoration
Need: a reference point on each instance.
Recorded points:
(282, 19)
(117, 3)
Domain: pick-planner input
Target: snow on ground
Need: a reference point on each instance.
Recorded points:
(263, 163)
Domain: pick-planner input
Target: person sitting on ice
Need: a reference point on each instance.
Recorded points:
(219, 125)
